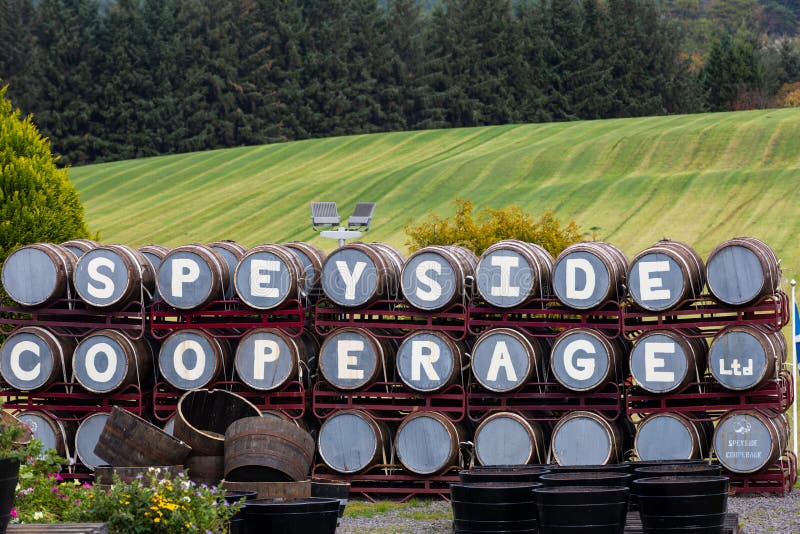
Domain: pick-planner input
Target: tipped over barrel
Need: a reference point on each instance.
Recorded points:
(32, 358)
(192, 276)
(664, 275)
(435, 277)
(38, 274)
(583, 359)
(107, 361)
(429, 361)
(512, 272)
(359, 273)
(351, 358)
(111, 276)
(665, 361)
(742, 271)
(504, 359)
(193, 359)
(744, 357)
(586, 275)
(428, 443)
(350, 441)
(268, 276)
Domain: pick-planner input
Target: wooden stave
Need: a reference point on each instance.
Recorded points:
(208, 470)
(217, 266)
(104, 474)
(455, 433)
(684, 256)
(223, 357)
(138, 355)
(534, 430)
(64, 262)
(380, 452)
(62, 348)
(770, 265)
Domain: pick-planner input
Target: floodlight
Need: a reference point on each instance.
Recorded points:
(361, 216)
(324, 215)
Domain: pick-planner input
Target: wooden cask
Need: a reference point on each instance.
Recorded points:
(435, 277)
(38, 274)
(269, 275)
(507, 438)
(312, 258)
(352, 358)
(586, 438)
(744, 357)
(504, 359)
(351, 441)
(53, 433)
(191, 276)
(672, 436)
(358, 274)
(32, 358)
(428, 442)
(194, 359)
(155, 254)
(742, 271)
(747, 441)
(208, 470)
(79, 247)
(512, 272)
(583, 359)
(86, 438)
(232, 253)
(586, 275)
(665, 361)
(664, 275)
(111, 276)
(272, 490)
(107, 361)
(429, 361)
(268, 358)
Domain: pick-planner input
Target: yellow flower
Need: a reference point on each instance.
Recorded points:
(156, 520)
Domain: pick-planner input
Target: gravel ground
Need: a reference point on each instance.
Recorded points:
(756, 515)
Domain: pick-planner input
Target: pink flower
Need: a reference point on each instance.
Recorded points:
(14, 513)
(87, 485)
(59, 477)
(54, 489)
(77, 501)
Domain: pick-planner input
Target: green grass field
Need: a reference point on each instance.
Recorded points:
(699, 178)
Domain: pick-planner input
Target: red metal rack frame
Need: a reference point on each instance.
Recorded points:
(780, 478)
(392, 318)
(708, 316)
(546, 401)
(543, 313)
(389, 401)
(227, 318)
(711, 398)
(74, 405)
(290, 399)
(392, 481)
(78, 317)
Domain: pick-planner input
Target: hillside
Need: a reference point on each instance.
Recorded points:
(696, 178)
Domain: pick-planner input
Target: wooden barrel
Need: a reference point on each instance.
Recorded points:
(743, 357)
(268, 276)
(266, 449)
(107, 361)
(742, 271)
(586, 275)
(358, 274)
(155, 254)
(232, 253)
(104, 474)
(435, 277)
(193, 359)
(208, 470)
(350, 441)
(576, 430)
(351, 358)
(53, 433)
(747, 441)
(86, 438)
(504, 359)
(111, 276)
(272, 490)
(268, 358)
(428, 443)
(32, 358)
(429, 361)
(665, 361)
(203, 416)
(664, 275)
(512, 272)
(583, 359)
(79, 247)
(507, 438)
(38, 274)
(671, 436)
(192, 276)
(127, 440)
(312, 258)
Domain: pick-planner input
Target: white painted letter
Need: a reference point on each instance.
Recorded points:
(105, 290)
(505, 289)
(651, 362)
(17, 369)
(501, 358)
(200, 365)
(91, 367)
(435, 290)
(648, 286)
(585, 366)
(573, 264)
(260, 277)
(350, 280)
(344, 348)
(183, 271)
(265, 351)
(423, 354)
